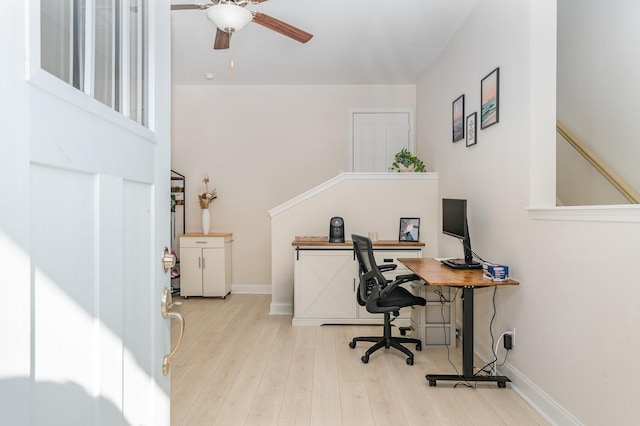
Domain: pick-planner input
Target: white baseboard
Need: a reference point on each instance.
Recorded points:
(250, 289)
(281, 309)
(546, 406)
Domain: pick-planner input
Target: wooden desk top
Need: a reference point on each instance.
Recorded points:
(212, 234)
(349, 243)
(435, 273)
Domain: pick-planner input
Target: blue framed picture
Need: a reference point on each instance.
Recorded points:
(457, 118)
(490, 99)
(409, 229)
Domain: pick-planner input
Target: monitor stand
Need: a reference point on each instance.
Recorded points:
(461, 264)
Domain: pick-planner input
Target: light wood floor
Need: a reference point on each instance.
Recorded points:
(239, 366)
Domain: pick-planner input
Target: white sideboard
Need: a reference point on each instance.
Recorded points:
(326, 281)
(205, 265)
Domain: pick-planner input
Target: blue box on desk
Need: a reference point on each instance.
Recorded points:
(494, 272)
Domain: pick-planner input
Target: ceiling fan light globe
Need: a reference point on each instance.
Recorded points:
(229, 17)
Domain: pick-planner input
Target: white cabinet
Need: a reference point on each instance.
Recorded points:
(205, 265)
(326, 281)
(435, 323)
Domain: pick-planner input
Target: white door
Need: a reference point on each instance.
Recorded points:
(377, 136)
(84, 221)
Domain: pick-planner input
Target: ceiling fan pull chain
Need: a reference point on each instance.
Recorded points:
(231, 63)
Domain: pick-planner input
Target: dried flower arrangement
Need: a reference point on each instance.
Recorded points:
(207, 197)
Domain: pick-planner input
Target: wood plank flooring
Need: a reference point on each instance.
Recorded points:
(240, 366)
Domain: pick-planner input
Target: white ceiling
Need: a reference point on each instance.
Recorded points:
(355, 42)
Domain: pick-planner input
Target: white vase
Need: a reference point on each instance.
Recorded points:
(206, 221)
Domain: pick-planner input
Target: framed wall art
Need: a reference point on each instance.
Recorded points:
(457, 121)
(409, 229)
(490, 99)
(472, 132)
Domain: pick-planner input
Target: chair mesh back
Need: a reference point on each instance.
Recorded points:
(370, 275)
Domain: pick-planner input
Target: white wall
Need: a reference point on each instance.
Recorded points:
(261, 146)
(578, 329)
(368, 202)
(598, 86)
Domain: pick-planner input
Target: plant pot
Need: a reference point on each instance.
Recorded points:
(403, 168)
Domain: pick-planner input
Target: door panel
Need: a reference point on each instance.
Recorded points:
(190, 271)
(139, 308)
(377, 137)
(213, 272)
(328, 279)
(64, 292)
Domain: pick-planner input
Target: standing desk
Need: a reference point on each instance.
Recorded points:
(435, 273)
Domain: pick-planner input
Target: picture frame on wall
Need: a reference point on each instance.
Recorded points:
(457, 119)
(490, 99)
(472, 131)
(409, 229)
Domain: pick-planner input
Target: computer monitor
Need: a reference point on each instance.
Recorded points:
(454, 223)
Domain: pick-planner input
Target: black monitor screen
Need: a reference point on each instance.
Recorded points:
(454, 217)
(454, 223)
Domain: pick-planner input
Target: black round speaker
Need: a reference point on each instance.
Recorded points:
(336, 230)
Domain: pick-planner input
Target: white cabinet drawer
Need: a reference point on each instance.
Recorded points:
(204, 242)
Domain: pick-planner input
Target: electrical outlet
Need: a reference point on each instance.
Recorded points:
(513, 338)
(507, 342)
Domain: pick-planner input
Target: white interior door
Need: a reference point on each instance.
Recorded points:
(84, 225)
(377, 136)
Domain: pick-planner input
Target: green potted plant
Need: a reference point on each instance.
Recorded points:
(405, 161)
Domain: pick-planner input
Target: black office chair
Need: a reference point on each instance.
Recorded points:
(380, 295)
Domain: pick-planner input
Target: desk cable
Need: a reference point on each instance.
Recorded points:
(491, 364)
(472, 252)
(443, 300)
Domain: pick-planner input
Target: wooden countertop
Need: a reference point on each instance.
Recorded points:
(212, 234)
(349, 243)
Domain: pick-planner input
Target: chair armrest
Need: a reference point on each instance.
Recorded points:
(387, 267)
(400, 279)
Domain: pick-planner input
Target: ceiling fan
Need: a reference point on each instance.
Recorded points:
(230, 16)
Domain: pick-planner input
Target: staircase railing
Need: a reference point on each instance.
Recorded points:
(607, 172)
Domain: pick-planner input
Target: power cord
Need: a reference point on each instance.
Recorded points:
(472, 252)
(443, 300)
(495, 357)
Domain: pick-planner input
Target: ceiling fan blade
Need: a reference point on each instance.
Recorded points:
(222, 40)
(281, 27)
(190, 6)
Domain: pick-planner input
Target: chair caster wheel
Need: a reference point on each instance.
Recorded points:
(410, 361)
(418, 346)
(364, 359)
(432, 382)
(502, 384)
(352, 344)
